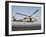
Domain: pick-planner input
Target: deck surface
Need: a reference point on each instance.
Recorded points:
(26, 27)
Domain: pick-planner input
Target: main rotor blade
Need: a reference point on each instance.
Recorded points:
(35, 12)
(21, 14)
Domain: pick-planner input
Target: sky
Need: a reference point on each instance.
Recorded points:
(26, 10)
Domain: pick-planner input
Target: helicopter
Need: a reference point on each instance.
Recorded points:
(27, 18)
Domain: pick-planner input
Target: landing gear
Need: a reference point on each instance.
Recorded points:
(24, 23)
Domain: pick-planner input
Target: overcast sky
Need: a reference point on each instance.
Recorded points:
(27, 10)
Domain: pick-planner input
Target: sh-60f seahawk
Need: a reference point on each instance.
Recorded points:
(25, 19)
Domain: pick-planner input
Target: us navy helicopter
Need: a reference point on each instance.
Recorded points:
(27, 18)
